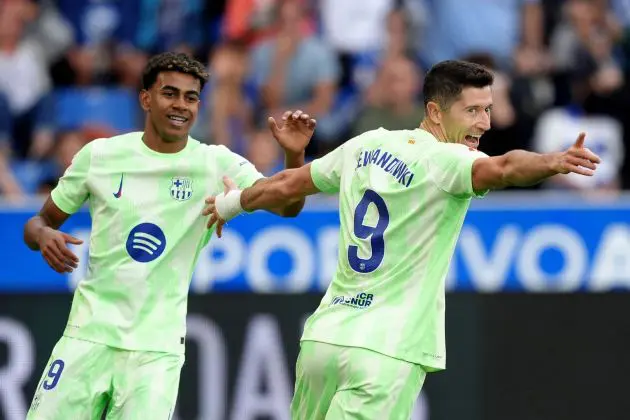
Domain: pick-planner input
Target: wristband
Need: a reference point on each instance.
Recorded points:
(229, 205)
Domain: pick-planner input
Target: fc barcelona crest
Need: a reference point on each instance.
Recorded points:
(181, 188)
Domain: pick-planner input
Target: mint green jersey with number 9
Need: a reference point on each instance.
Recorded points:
(403, 199)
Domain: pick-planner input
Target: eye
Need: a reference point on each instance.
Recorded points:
(192, 99)
(168, 94)
(472, 111)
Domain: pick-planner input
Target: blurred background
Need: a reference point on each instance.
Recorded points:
(537, 324)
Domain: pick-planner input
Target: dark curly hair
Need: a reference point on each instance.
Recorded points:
(170, 61)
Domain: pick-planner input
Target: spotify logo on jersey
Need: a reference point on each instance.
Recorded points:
(146, 242)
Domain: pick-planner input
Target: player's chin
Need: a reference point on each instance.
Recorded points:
(175, 132)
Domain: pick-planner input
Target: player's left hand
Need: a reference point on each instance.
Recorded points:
(211, 208)
(576, 159)
(295, 131)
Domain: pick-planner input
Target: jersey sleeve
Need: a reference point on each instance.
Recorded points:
(239, 169)
(72, 190)
(326, 171)
(451, 170)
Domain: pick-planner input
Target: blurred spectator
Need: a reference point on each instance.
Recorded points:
(354, 26)
(557, 129)
(397, 41)
(24, 78)
(227, 117)
(67, 144)
(264, 152)
(99, 26)
(163, 25)
(583, 45)
(8, 185)
(502, 28)
(252, 21)
(293, 71)
(393, 98)
(114, 38)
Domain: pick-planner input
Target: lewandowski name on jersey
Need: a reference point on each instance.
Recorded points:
(391, 164)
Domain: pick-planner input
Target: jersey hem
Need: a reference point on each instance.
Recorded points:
(118, 346)
(428, 367)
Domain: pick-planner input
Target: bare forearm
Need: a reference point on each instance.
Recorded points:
(32, 231)
(523, 168)
(292, 161)
(271, 194)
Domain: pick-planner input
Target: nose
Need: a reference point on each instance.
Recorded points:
(484, 121)
(180, 103)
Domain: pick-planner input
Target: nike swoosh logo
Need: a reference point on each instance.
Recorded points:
(119, 193)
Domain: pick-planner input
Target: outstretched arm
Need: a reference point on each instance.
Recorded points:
(521, 168)
(281, 190)
(285, 187)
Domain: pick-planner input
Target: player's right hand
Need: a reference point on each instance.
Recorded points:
(577, 159)
(52, 245)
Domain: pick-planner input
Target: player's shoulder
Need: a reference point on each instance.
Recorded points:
(442, 149)
(381, 132)
(396, 136)
(216, 150)
(391, 139)
(124, 138)
(120, 142)
(222, 154)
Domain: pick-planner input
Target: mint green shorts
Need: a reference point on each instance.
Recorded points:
(83, 378)
(338, 383)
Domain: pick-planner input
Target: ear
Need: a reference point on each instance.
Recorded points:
(145, 100)
(434, 113)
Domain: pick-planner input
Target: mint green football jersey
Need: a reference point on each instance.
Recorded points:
(403, 196)
(147, 232)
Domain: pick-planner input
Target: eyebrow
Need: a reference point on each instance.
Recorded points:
(479, 106)
(173, 88)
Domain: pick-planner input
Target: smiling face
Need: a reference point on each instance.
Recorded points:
(468, 118)
(458, 102)
(172, 104)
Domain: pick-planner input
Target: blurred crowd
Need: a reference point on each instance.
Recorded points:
(70, 72)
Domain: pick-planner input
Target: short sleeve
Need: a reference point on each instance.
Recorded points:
(450, 168)
(72, 190)
(237, 168)
(326, 171)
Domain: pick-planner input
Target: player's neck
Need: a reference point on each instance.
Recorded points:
(154, 142)
(434, 129)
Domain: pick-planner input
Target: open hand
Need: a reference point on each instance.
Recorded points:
(295, 132)
(52, 244)
(577, 159)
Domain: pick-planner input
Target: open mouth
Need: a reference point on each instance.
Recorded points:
(177, 120)
(472, 141)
